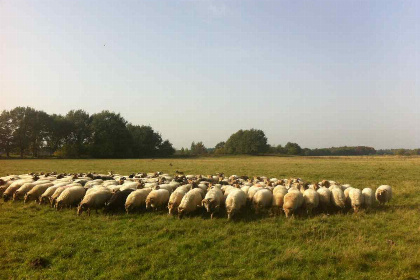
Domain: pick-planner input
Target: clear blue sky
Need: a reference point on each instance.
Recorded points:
(319, 73)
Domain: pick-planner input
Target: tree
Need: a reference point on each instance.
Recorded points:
(220, 148)
(198, 148)
(166, 149)
(58, 132)
(21, 128)
(251, 141)
(145, 141)
(76, 143)
(110, 136)
(6, 131)
(293, 148)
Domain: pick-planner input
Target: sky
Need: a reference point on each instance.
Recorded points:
(319, 73)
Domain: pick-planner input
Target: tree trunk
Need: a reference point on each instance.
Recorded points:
(21, 152)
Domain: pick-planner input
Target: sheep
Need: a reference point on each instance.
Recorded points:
(383, 194)
(157, 199)
(20, 193)
(310, 200)
(293, 200)
(278, 199)
(262, 200)
(356, 199)
(129, 185)
(175, 200)
(70, 196)
(213, 201)
(324, 198)
(245, 189)
(136, 200)
(45, 196)
(58, 192)
(4, 186)
(235, 201)
(95, 200)
(367, 197)
(252, 191)
(36, 192)
(337, 197)
(117, 201)
(347, 196)
(8, 193)
(190, 202)
(167, 187)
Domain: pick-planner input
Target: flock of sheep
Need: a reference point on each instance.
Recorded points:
(186, 194)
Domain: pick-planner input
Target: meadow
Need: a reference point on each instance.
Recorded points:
(381, 243)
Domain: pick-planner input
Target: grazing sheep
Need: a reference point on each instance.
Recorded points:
(70, 197)
(262, 200)
(117, 201)
(356, 199)
(347, 196)
(252, 191)
(136, 200)
(45, 196)
(129, 185)
(167, 187)
(8, 193)
(235, 201)
(337, 197)
(175, 200)
(36, 192)
(190, 202)
(367, 197)
(4, 186)
(59, 190)
(324, 198)
(310, 200)
(213, 201)
(95, 200)
(157, 199)
(293, 200)
(278, 199)
(25, 188)
(383, 194)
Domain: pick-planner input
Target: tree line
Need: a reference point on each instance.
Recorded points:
(26, 131)
(29, 132)
(254, 142)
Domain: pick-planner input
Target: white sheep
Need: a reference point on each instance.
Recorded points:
(70, 197)
(278, 199)
(324, 198)
(136, 199)
(262, 200)
(25, 188)
(310, 200)
(213, 200)
(356, 199)
(252, 191)
(347, 196)
(337, 197)
(8, 193)
(367, 197)
(293, 200)
(58, 192)
(157, 199)
(383, 194)
(175, 199)
(95, 200)
(45, 196)
(235, 201)
(36, 192)
(129, 185)
(190, 202)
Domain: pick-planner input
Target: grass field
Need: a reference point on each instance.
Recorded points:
(379, 244)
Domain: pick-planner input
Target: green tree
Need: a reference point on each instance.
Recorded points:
(166, 149)
(198, 148)
(293, 148)
(145, 141)
(110, 136)
(6, 131)
(251, 141)
(77, 141)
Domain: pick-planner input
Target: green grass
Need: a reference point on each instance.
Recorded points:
(155, 246)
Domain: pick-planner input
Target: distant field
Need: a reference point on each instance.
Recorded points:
(379, 244)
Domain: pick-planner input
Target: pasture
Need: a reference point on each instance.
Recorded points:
(382, 243)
